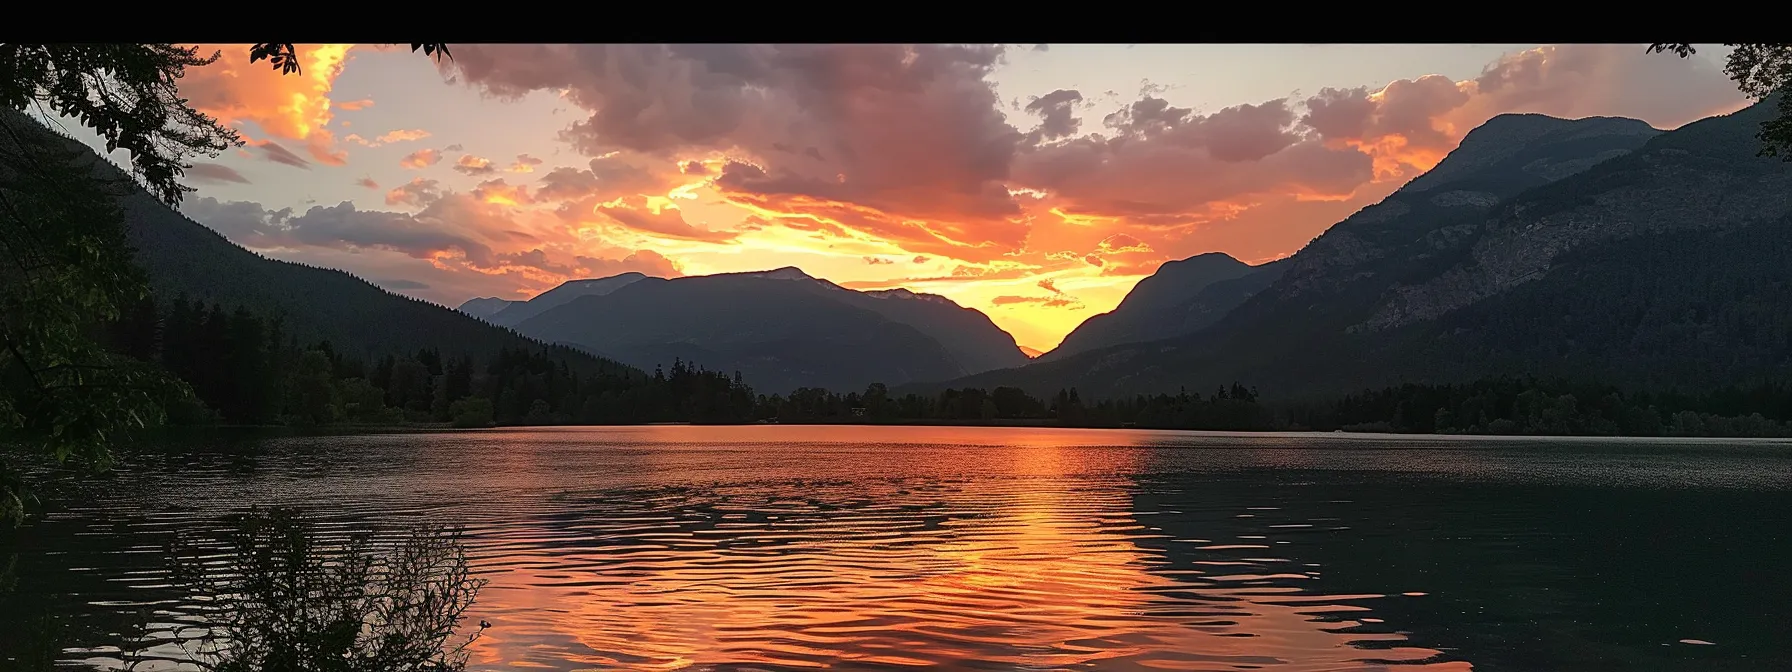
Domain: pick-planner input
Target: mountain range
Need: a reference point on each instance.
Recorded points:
(1598, 249)
(184, 259)
(780, 329)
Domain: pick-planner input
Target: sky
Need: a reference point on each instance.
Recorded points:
(1036, 183)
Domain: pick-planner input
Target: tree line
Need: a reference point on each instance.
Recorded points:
(1500, 406)
(243, 369)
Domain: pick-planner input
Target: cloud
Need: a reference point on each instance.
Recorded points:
(605, 179)
(418, 192)
(1055, 111)
(401, 135)
(905, 152)
(646, 262)
(665, 222)
(473, 165)
(502, 192)
(1409, 125)
(902, 142)
(290, 107)
(464, 242)
(1060, 301)
(354, 105)
(367, 182)
(274, 151)
(453, 148)
(400, 284)
(420, 159)
(214, 173)
(875, 261)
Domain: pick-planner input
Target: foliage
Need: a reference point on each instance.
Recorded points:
(64, 269)
(1759, 70)
(1229, 408)
(247, 369)
(129, 94)
(286, 598)
(1515, 406)
(65, 264)
(285, 56)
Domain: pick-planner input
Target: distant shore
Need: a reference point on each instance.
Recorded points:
(351, 429)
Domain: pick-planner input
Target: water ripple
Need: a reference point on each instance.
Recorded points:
(699, 548)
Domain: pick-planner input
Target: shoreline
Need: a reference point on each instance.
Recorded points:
(1023, 423)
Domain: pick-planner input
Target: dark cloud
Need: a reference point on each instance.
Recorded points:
(912, 131)
(274, 151)
(214, 173)
(367, 182)
(456, 147)
(444, 233)
(605, 179)
(1056, 112)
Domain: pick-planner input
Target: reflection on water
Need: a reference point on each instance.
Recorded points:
(668, 548)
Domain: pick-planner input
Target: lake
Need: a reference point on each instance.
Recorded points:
(789, 547)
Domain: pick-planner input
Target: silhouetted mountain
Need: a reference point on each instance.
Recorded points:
(975, 342)
(1180, 298)
(1596, 249)
(518, 311)
(184, 258)
(485, 307)
(782, 329)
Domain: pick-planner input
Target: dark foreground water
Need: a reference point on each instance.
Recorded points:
(766, 548)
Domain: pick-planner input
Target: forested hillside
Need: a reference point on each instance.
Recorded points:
(1539, 247)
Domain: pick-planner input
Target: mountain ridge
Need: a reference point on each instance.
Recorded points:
(946, 339)
(182, 257)
(1449, 278)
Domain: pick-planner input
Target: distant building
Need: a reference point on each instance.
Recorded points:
(858, 412)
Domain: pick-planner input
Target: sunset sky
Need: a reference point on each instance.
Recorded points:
(1036, 183)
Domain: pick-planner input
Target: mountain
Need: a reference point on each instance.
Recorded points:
(1597, 248)
(485, 307)
(1180, 298)
(515, 312)
(182, 257)
(781, 329)
(975, 343)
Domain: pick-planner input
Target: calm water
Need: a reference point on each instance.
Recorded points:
(769, 548)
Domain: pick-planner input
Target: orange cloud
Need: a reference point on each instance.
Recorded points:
(420, 159)
(862, 155)
(290, 107)
(473, 165)
(417, 193)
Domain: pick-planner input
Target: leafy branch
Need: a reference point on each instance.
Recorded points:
(1759, 70)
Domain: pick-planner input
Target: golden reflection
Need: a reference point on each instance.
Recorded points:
(1022, 552)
